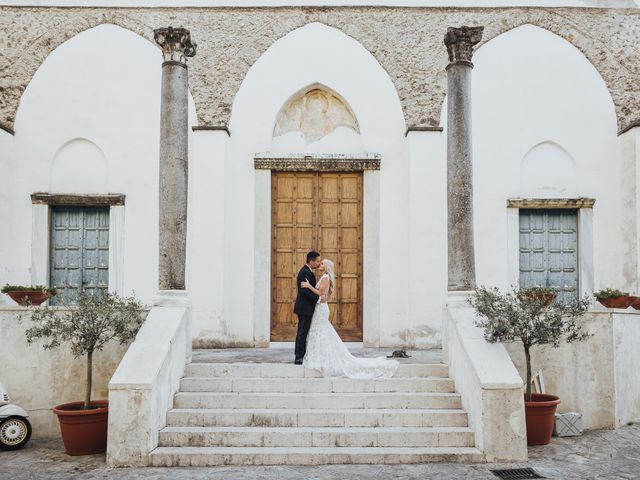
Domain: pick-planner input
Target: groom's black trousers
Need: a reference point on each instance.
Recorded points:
(304, 323)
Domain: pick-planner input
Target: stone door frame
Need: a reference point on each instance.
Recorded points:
(369, 164)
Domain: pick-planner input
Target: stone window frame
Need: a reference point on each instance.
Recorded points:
(584, 208)
(41, 203)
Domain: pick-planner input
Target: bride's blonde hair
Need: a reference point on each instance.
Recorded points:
(328, 266)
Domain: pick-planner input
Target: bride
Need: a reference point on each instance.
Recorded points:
(325, 350)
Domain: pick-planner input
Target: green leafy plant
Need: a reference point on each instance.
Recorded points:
(88, 327)
(28, 288)
(511, 316)
(609, 293)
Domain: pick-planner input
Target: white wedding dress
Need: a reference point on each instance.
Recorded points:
(327, 353)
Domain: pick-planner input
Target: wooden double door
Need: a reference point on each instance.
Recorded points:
(323, 212)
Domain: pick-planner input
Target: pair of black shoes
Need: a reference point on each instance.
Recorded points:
(298, 362)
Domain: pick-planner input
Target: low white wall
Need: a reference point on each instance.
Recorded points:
(599, 376)
(142, 388)
(626, 338)
(38, 379)
(490, 386)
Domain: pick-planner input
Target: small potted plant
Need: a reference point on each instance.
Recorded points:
(511, 316)
(544, 295)
(87, 328)
(613, 298)
(28, 295)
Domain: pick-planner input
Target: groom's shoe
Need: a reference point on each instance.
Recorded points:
(298, 362)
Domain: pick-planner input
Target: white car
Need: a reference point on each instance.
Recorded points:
(15, 429)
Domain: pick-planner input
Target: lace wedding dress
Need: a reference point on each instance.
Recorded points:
(327, 353)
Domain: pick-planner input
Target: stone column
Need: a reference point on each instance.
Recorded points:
(461, 261)
(176, 47)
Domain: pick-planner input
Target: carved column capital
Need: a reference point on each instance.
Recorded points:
(460, 41)
(175, 43)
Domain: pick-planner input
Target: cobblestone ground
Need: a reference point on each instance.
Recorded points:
(604, 454)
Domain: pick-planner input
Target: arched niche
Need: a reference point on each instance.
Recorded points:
(548, 171)
(79, 166)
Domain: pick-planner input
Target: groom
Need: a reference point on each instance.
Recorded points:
(305, 303)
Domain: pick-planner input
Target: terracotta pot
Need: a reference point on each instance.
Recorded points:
(545, 298)
(636, 303)
(616, 302)
(540, 415)
(83, 431)
(29, 297)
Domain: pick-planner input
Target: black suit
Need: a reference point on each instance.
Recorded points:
(305, 305)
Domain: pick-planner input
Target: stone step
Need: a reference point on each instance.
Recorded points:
(316, 437)
(316, 385)
(317, 417)
(285, 370)
(316, 400)
(216, 456)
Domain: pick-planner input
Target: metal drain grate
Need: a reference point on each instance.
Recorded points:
(516, 473)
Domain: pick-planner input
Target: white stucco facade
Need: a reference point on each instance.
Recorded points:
(553, 120)
(88, 124)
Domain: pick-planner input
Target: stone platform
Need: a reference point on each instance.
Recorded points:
(283, 353)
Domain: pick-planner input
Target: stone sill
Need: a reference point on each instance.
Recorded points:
(599, 309)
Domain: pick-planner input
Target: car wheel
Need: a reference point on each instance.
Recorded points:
(15, 432)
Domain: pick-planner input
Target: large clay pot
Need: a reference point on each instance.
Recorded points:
(29, 297)
(83, 431)
(616, 302)
(540, 415)
(635, 303)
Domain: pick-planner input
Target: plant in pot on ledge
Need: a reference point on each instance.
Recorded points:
(512, 316)
(87, 327)
(28, 295)
(613, 298)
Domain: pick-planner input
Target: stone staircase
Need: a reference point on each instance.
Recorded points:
(284, 414)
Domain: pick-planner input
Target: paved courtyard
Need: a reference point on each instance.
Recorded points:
(605, 454)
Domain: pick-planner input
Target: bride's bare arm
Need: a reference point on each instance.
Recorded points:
(322, 291)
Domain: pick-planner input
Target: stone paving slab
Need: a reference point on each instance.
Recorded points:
(286, 355)
(604, 454)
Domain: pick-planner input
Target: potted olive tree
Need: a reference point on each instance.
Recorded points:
(512, 316)
(87, 327)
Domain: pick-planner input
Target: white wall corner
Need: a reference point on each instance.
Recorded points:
(427, 185)
(205, 235)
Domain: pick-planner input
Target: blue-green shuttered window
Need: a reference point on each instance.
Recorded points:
(549, 250)
(79, 251)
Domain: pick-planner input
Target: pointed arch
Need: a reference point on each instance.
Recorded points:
(306, 57)
(37, 52)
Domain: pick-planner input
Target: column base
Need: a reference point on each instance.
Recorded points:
(458, 298)
(172, 298)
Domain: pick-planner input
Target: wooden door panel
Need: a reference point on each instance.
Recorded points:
(304, 213)
(321, 211)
